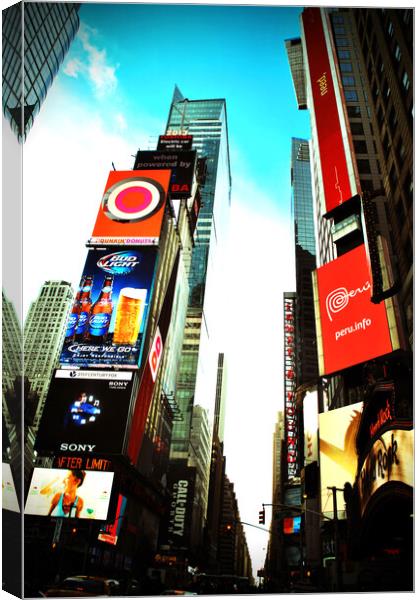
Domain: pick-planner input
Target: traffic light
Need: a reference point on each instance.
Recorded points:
(261, 517)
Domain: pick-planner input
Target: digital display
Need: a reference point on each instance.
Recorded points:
(132, 207)
(69, 493)
(9, 496)
(85, 411)
(338, 456)
(291, 525)
(350, 328)
(109, 314)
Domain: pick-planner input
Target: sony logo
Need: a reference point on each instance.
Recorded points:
(77, 447)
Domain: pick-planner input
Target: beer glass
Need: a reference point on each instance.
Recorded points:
(129, 315)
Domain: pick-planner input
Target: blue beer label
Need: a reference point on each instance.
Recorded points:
(81, 325)
(71, 324)
(99, 324)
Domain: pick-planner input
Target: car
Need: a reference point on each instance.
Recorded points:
(84, 586)
(178, 593)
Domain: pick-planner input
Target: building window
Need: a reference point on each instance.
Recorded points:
(405, 81)
(346, 67)
(350, 95)
(397, 53)
(360, 146)
(339, 30)
(363, 166)
(390, 29)
(348, 81)
(357, 128)
(342, 41)
(338, 19)
(344, 54)
(353, 111)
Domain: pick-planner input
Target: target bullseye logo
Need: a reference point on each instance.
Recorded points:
(133, 199)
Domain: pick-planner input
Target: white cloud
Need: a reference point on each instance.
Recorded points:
(95, 66)
(121, 121)
(67, 158)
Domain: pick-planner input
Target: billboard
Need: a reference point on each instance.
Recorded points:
(132, 207)
(338, 456)
(181, 163)
(175, 142)
(181, 482)
(310, 426)
(390, 459)
(85, 411)
(291, 525)
(9, 496)
(337, 169)
(291, 423)
(112, 312)
(350, 328)
(69, 493)
(109, 534)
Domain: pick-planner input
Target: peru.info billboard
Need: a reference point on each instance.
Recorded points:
(109, 314)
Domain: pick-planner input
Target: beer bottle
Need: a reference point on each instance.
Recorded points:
(74, 314)
(85, 304)
(101, 313)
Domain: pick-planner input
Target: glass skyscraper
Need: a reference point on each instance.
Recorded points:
(39, 34)
(206, 121)
(305, 256)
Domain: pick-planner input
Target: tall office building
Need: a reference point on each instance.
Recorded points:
(305, 262)
(36, 38)
(206, 121)
(358, 80)
(11, 354)
(43, 337)
(220, 402)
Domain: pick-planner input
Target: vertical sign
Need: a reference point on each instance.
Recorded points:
(336, 163)
(290, 387)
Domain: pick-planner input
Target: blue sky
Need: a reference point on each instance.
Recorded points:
(232, 52)
(112, 93)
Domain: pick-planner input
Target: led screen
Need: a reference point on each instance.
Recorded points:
(181, 163)
(9, 496)
(85, 411)
(335, 157)
(132, 207)
(338, 457)
(69, 493)
(109, 315)
(291, 525)
(350, 327)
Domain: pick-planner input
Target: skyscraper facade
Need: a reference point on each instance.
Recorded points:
(305, 261)
(43, 337)
(206, 121)
(11, 353)
(36, 38)
(358, 79)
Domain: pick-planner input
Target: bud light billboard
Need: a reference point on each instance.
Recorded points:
(85, 412)
(109, 314)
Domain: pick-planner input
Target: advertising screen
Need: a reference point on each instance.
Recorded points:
(181, 482)
(181, 163)
(132, 207)
(69, 493)
(291, 525)
(9, 496)
(336, 162)
(175, 142)
(106, 324)
(85, 411)
(350, 328)
(310, 426)
(109, 534)
(391, 459)
(338, 457)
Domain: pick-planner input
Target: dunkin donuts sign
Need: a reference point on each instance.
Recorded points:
(350, 328)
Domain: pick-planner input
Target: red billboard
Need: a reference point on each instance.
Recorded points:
(350, 328)
(336, 163)
(132, 208)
